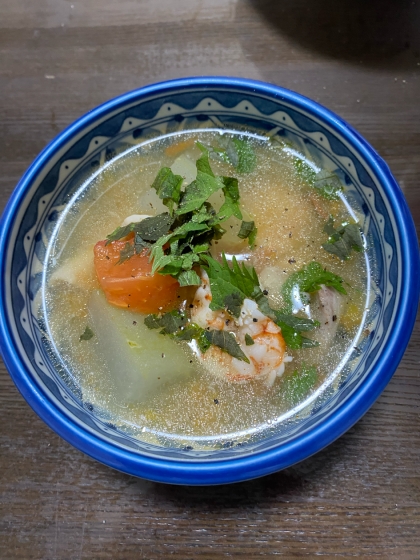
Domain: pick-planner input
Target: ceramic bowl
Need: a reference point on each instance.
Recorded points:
(153, 111)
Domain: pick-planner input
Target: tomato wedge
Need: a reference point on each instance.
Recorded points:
(131, 284)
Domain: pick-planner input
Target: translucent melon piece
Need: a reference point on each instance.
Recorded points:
(140, 360)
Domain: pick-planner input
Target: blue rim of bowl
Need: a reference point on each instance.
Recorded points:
(274, 459)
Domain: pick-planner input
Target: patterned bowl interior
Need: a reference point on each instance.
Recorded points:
(142, 117)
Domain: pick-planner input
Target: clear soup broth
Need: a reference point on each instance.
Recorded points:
(167, 391)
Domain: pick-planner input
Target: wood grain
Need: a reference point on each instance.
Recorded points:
(360, 497)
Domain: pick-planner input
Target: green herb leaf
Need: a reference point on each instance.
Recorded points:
(205, 184)
(168, 322)
(299, 324)
(246, 229)
(226, 341)
(149, 229)
(189, 278)
(249, 341)
(193, 332)
(327, 184)
(246, 156)
(342, 240)
(298, 385)
(127, 252)
(87, 334)
(309, 280)
(291, 327)
(226, 282)
(233, 303)
(230, 207)
(168, 187)
(160, 259)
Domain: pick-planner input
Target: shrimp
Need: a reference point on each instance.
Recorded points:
(267, 356)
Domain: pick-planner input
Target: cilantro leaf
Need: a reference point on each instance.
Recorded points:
(169, 322)
(342, 240)
(226, 341)
(168, 187)
(297, 386)
(309, 280)
(87, 334)
(205, 184)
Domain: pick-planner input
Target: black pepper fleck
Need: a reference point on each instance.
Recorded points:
(255, 320)
(265, 292)
(216, 401)
(334, 317)
(163, 355)
(134, 322)
(291, 261)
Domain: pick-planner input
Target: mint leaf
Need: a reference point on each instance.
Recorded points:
(231, 205)
(205, 184)
(189, 278)
(309, 280)
(246, 229)
(193, 332)
(149, 229)
(226, 341)
(249, 341)
(127, 252)
(327, 183)
(291, 327)
(160, 259)
(246, 156)
(87, 334)
(298, 385)
(169, 322)
(343, 240)
(168, 187)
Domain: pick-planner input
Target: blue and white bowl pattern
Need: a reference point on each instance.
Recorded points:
(153, 112)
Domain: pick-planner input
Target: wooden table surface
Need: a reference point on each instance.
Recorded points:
(360, 497)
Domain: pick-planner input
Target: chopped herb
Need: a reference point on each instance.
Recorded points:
(246, 156)
(309, 280)
(291, 327)
(169, 322)
(231, 205)
(297, 386)
(327, 183)
(189, 278)
(226, 282)
(249, 341)
(238, 152)
(343, 240)
(127, 252)
(149, 229)
(246, 229)
(168, 187)
(87, 334)
(205, 184)
(226, 341)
